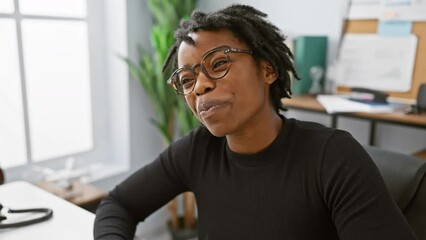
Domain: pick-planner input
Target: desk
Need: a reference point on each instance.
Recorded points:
(309, 103)
(69, 222)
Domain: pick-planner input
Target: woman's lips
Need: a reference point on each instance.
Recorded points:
(208, 109)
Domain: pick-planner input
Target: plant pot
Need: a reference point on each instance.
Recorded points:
(182, 233)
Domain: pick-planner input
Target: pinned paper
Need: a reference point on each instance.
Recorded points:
(404, 10)
(384, 63)
(395, 28)
(398, 2)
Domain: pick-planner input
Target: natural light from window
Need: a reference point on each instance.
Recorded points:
(12, 132)
(45, 85)
(59, 8)
(63, 90)
(58, 87)
(6, 6)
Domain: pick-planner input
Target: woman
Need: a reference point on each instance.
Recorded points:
(254, 173)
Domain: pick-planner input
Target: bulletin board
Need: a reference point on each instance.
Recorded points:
(419, 71)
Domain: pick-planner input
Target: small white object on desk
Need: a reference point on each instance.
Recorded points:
(69, 222)
(336, 104)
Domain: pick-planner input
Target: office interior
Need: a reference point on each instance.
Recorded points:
(123, 136)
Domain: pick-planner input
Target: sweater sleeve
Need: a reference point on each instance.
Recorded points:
(137, 197)
(355, 193)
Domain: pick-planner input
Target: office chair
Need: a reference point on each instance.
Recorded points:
(404, 176)
(421, 98)
(420, 105)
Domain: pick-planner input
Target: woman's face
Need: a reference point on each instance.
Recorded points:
(236, 102)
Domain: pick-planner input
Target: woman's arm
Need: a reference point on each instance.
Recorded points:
(136, 198)
(113, 221)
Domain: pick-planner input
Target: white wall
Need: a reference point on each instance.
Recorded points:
(301, 17)
(145, 141)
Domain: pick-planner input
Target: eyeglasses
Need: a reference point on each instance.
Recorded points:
(214, 64)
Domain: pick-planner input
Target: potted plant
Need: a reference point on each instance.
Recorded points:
(173, 117)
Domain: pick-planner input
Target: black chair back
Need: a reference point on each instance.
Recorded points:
(405, 178)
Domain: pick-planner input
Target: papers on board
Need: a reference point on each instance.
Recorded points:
(407, 10)
(377, 62)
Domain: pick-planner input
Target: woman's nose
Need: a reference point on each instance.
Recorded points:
(203, 84)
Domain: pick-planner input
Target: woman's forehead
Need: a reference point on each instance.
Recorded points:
(203, 41)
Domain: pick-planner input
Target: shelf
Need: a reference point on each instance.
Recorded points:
(80, 194)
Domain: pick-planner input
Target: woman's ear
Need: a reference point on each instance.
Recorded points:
(268, 72)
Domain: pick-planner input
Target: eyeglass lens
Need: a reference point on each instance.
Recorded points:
(215, 65)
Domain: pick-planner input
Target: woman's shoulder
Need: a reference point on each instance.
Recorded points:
(317, 137)
(307, 130)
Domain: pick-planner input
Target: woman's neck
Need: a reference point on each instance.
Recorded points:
(257, 137)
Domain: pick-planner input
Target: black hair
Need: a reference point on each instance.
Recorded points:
(250, 27)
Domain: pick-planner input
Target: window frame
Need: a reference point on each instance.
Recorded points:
(107, 33)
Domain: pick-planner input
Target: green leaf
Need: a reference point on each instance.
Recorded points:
(168, 106)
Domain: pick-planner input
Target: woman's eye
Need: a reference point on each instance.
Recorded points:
(219, 65)
(186, 82)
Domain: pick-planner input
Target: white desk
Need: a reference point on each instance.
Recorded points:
(68, 222)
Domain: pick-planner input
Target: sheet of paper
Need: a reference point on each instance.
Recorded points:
(336, 104)
(365, 9)
(394, 28)
(377, 62)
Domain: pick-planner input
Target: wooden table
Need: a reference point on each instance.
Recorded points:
(310, 104)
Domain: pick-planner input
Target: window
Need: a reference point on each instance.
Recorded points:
(12, 131)
(56, 64)
(59, 8)
(6, 6)
(58, 69)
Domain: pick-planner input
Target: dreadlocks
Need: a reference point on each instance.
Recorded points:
(250, 27)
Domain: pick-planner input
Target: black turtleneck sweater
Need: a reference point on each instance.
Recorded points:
(311, 182)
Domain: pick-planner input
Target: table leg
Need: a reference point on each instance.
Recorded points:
(333, 120)
(372, 133)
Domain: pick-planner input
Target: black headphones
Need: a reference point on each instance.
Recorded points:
(47, 214)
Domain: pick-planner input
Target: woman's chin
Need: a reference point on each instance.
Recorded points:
(216, 131)
(218, 128)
